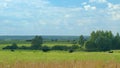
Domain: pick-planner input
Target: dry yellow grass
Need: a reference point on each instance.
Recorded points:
(65, 64)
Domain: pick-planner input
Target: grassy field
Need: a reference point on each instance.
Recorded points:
(57, 59)
(61, 58)
(38, 56)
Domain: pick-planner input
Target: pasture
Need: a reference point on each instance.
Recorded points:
(58, 59)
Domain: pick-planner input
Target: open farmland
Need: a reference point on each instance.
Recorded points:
(37, 58)
(61, 59)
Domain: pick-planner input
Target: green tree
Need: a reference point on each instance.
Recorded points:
(81, 40)
(37, 42)
(74, 42)
(116, 41)
(103, 43)
(14, 46)
(90, 46)
(100, 41)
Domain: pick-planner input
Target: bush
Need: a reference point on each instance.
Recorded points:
(71, 50)
(13, 46)
(90, 46)
(45, 49)
(36, 43)
(7, 47)
(110, 52)
(12, 50)
(74, 47)
(58, 47)
(24, 47)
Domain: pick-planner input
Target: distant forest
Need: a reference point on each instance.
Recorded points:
(97, 41)
(44, 37)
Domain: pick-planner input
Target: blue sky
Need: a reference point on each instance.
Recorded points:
(58, 17)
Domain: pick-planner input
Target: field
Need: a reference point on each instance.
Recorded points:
(57, 59)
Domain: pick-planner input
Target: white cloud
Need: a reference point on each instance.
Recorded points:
(84, 3)
(42, 15)
(115, 15)
(113, 6)
(98, 1)
(5, 3)
(89, 7)
(67, 16)
(114, 11)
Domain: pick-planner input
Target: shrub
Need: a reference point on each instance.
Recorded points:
(71, 50)
(74, 47)
(12, 50)
(36, 43)
(7, 47)
(13, 46)
(58, 47)
(24, 47)
(110, 52)
(45, 49)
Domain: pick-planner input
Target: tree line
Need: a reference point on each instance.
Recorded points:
(37, 44)
(97, 41)
(101, 41)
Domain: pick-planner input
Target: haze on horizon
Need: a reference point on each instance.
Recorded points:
(58, 17)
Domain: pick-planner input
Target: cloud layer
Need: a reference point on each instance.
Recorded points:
(28, 17)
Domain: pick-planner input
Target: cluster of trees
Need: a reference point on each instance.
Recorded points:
(81, 41)
(98, 41)
(36, 44)
(102, 41)
(60, 48)
(12, 47)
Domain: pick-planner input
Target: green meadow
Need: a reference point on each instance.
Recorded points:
(21, 55)
(21, 58)
(38, 55)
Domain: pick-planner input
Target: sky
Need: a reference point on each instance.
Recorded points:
(58, 17)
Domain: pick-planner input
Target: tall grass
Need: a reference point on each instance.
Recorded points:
(58, 59)
(65, 64)
(38, 56)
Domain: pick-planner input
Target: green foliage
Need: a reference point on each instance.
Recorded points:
(100, 41)
(13, 46)
(37, 42)
(60, 47)
(45, 48)
(116, 42)
(71, 50)
(24, 47)
(74, 42)
(81, 40)
(74, 47)
(103, 43)
(90, 46)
